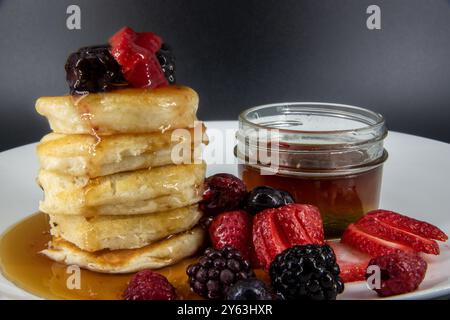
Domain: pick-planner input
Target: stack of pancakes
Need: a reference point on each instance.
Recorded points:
(119, 195)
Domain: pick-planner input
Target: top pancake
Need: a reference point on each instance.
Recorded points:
(128, 110)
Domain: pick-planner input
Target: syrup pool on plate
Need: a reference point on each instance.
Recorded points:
(22, 264)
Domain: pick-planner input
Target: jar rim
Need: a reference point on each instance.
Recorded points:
(379, 120)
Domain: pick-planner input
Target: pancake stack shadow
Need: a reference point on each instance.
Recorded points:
(122, 175)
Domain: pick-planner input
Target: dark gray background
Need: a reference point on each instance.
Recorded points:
(238, 54)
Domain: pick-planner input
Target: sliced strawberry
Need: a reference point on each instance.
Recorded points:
(301, 224)
(146, 74)
(311, 220)
(233, 228)
(267, 239)
(417, 227)
(124, 50)
(149, 41)
(353, 263)
(126, 33)
(136, 54)
(378, 228)
(292, 227)
(370, 244)
(275, 230)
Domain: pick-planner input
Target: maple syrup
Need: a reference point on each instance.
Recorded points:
(325, 154)
(340, 199)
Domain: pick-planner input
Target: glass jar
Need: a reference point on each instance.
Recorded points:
(325, 154)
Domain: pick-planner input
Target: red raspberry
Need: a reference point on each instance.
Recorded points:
(223, 192)
(149, 285)
(136, 54)
(400, 273)
(234, 229)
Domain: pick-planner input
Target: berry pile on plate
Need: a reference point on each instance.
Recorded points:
(265, 229)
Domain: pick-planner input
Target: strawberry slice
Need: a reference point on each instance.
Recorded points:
(292, 227)
(275, 230)
(353, 263)
(267, 239)
(372, 245)
(399, 221)
(146, 74)
(124, 50)
(379, 228)
(302, 224)
(149, 41)
(233, 228)
(136, 54)
(311, 220)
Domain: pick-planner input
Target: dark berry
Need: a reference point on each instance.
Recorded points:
(306, 272)
(249, 289)
(264, 197)
(93, 69)
(223, 192)
(166, 59)
(217, 271)
(399, 273)
(149, 285)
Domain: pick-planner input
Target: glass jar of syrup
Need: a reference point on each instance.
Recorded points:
(328, 155)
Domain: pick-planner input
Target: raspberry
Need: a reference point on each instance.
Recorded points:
(217, 271)
(400, 273)
(223, 192)
(233, 228)
(149, 285)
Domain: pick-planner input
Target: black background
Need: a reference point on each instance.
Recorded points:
(238, 54)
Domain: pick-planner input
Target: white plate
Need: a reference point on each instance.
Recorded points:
(415, 182)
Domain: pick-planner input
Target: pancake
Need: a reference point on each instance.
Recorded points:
(128, 110)
(122, 232)
(160, 254)
(135, 192)
(87, 155)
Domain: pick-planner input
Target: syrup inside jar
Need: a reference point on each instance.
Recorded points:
(328, 155)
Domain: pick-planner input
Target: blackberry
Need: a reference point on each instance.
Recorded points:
(166, 59)
(264, 197)
(217, 271)
(93, 69)
(306, 272)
